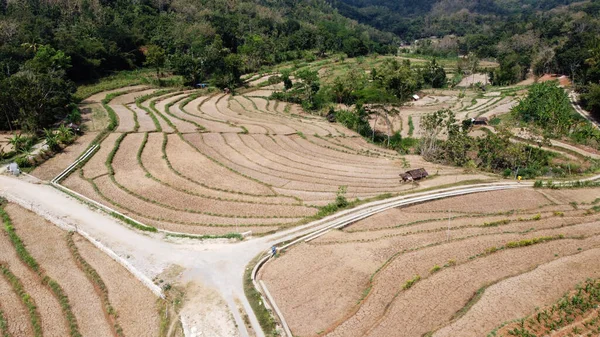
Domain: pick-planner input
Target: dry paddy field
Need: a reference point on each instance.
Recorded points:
(465, 103)
(56, 283)
(199, 163)
(462, 266)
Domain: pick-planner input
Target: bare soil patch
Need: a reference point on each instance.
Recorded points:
(131, 96)
(97, 98)
(566, 317)
(14, 310)
(163, 124)
(135, 304)
(186, 160)
(580, 196)
(97, 164)
(125, 116)
(130, 175)
(55, 165)
(139, 208)
(474, 79)
(195, 112)
(436, 299)
(145, 121)
(154, 162)
(518, 296)
(486, 202)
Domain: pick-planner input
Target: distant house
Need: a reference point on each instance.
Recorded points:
(480, 121)
(414, 175)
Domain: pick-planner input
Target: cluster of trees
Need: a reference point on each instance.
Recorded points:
(492, 152)
(203, 40)
(391, 82)
(37, 94)
(547, 107)
(553, 36)
(417, 19)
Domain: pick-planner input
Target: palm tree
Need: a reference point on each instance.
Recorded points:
(65, 134)
(51, 139)
(17, 141)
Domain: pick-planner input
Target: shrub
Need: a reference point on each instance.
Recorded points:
(3, 325)
(529, 242)
(435, 269)
(491, 250)
(411, 282)
(23, 161)
(411, 126)
(495, 121)
(496, 223)
(340, 199)
(75, 115)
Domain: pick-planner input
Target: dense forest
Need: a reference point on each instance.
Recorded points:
(48, 46)
(418, 19)
(524, 36)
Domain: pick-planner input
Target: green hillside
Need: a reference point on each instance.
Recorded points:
(49, 46)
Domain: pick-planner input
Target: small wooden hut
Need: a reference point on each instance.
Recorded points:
(480, 121)
(414, 175)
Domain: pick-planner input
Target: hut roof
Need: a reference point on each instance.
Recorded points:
(418, 173)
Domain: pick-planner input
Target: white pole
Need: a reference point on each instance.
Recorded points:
(448, 232)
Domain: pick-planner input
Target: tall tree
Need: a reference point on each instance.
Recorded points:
(155, 58)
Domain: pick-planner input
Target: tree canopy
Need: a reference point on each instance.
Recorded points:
(45, 47)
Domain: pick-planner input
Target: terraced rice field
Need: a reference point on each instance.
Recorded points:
(65, 286)
(464, 103)
(460, 266)
(201, 163)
